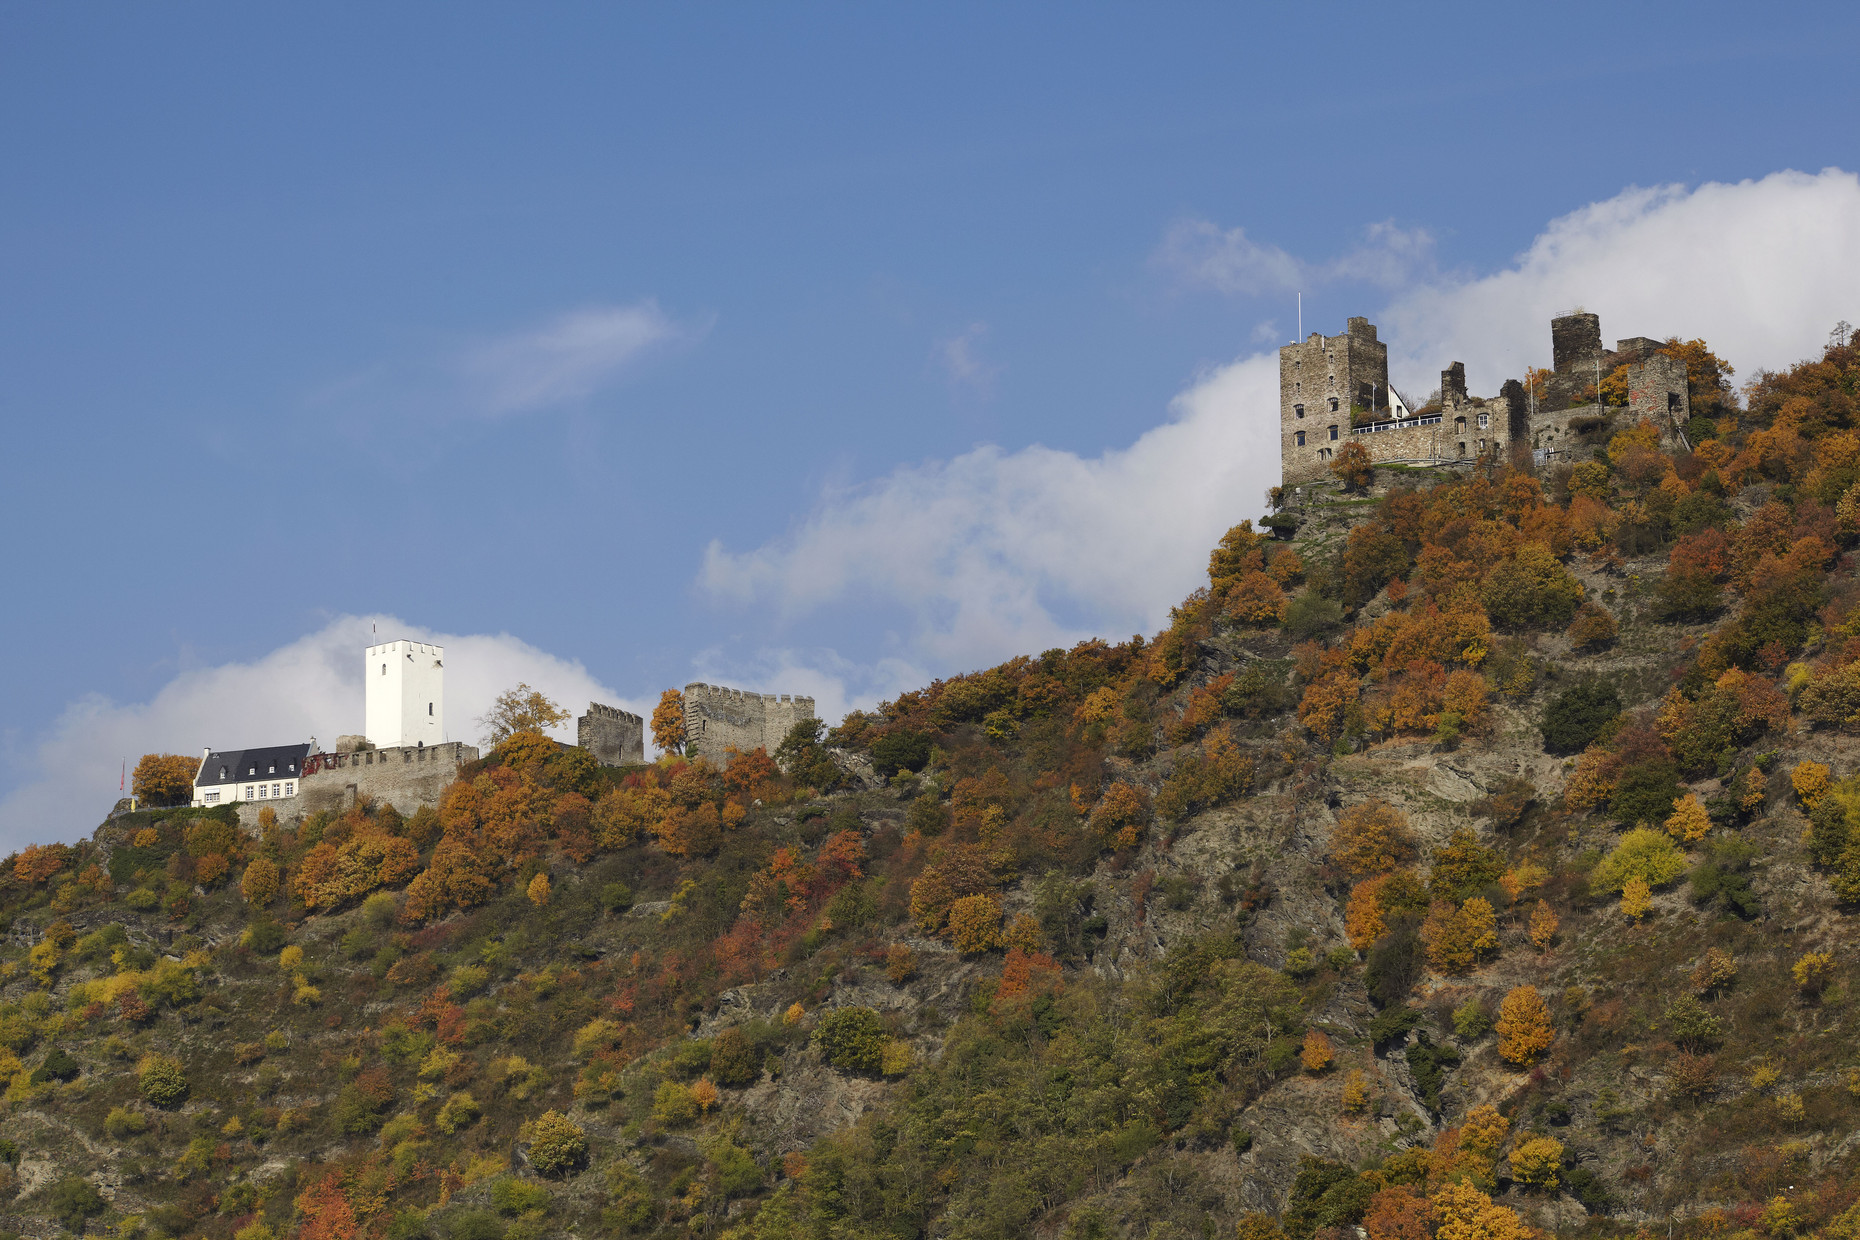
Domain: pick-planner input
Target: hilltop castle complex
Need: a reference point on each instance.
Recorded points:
(1334, 390)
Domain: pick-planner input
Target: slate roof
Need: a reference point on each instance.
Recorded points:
(272, 762)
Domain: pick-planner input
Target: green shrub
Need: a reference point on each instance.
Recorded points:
(142, 900)
(510, 1195)
(1694, 1026)
(901, 750)
(1396, 962)
(737, 1173)
(474, 1225)
(379, 910)
(1725, 875)
(557, 1146)
(57, 1066)
(1429, 1063)
(1577, 716)
(73, 1200)
(468, 980)
(162, 1080)
(122, 1123)
(852, 1039)
(460, 1111)
(616, 897)
(1471, 1020)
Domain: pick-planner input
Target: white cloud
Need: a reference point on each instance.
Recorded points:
(988, 551)
(998, 552)
(313, 686)
(565, 360)
(1760, 269)
(1199, 252)
(962, 361)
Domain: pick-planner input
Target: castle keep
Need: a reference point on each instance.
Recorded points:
(718, 720)
(1334, 390)
(615, 737)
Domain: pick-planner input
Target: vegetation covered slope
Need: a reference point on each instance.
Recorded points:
(1477, 855)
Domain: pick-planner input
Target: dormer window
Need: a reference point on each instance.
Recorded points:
(222, 774)
(251, 770)
(273, 770)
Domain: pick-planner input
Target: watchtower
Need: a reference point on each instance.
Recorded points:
(405, 698)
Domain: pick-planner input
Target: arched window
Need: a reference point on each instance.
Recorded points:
(1459, 426)
(1298, 411)
(1301, 438)
(1333, 432)
(1333, 404)
(1462, 447)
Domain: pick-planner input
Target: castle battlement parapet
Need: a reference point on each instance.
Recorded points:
(719, 719)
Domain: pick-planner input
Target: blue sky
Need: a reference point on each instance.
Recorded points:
(804, 347)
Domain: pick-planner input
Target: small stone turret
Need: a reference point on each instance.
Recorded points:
(615, 737)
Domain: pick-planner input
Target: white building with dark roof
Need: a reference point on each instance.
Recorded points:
(270, 774)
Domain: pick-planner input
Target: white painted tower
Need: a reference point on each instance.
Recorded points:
(406, 696)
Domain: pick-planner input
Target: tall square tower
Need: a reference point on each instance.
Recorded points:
(406, 694)
(1321, 378)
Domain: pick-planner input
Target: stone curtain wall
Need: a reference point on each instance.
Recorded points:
(405, 777)
(718, 719)
(615, 737)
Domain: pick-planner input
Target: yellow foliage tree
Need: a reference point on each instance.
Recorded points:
(1536, 1160)
(1465, 1213)
(1524, 1028)
(1813, 970)
(1689, 821)
(538, 890)
(259, 883)
(668, 722)
(1543, 926)
(1316, 1053)
(1636, 898)
(1355, 1093)
(975, 924)
(1811, 781)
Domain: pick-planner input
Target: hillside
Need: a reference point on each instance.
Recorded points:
(1478, 852)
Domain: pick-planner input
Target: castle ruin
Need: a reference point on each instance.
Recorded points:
(615, 737)
(1334, 390)
(719, 720)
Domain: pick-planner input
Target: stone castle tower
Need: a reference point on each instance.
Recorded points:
(718, 720)
(615, 737)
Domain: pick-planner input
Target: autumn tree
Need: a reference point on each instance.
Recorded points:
(1316, 1054)
(1371, 837)
(1531, 589)
(1543, 926)
(521, 709)
(164, 778)
(259, 883)
(668, 722)
(1353, 466)
(1524, 1028)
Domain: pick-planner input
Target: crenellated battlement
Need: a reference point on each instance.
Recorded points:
(615, 737)
(719, 719)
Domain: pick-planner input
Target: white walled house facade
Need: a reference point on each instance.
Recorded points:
(274, 773)
(405, 696)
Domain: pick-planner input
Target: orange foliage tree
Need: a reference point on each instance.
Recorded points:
(1371, 837)
(164, 778)
(668, 722)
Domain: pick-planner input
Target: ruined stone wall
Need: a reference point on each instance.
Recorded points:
(1657, 391)
(615, 737)
(405, 777)
(719, 719)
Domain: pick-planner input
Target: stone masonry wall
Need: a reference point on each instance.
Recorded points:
(405, 777)
(615, 737)
(719, 719)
